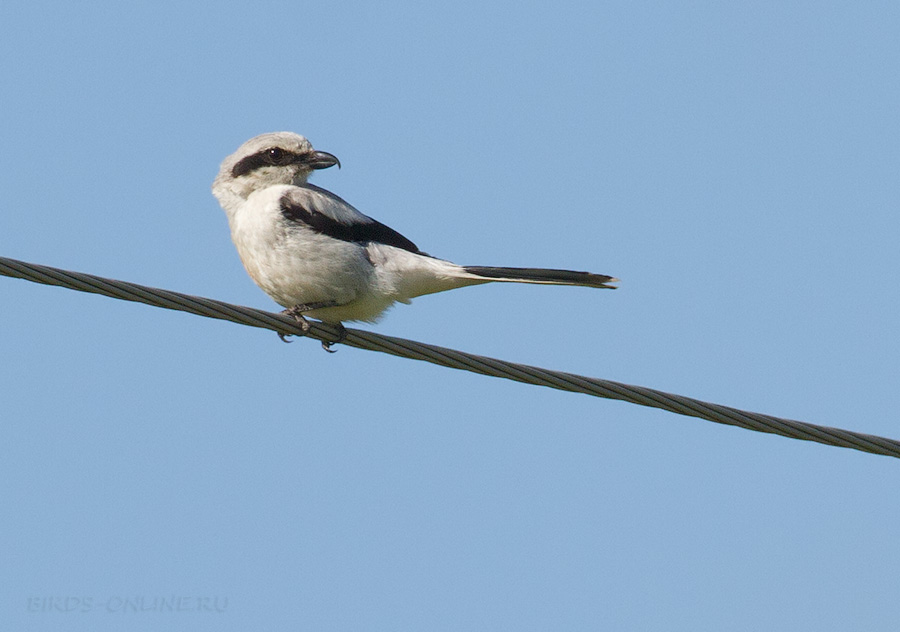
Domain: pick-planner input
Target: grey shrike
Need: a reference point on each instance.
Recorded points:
(318, 256)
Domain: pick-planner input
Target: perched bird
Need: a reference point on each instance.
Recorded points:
(318, 256)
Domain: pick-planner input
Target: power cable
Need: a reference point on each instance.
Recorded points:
(451, 358)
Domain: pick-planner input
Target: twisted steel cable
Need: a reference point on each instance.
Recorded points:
(451, 358)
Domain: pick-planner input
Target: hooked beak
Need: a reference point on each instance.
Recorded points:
(321, 160)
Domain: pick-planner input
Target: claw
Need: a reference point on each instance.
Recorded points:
(342, 334)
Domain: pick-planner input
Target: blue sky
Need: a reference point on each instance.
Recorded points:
(736, 165)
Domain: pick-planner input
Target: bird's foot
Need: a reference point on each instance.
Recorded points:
(342, 335)
(296, 312)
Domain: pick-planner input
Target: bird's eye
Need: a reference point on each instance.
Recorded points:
(278, 156)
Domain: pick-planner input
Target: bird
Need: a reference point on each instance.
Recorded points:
(316, 255)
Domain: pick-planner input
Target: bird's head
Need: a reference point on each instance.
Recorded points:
(267, 160)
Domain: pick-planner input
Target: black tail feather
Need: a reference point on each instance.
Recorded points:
(543, 275)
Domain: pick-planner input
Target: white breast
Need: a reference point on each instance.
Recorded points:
(296, 265)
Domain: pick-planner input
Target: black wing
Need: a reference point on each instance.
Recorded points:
(326, 213)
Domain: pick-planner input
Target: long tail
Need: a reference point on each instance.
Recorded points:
(542, 275)
(413, 274)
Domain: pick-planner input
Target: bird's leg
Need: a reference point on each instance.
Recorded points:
(297, 311)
